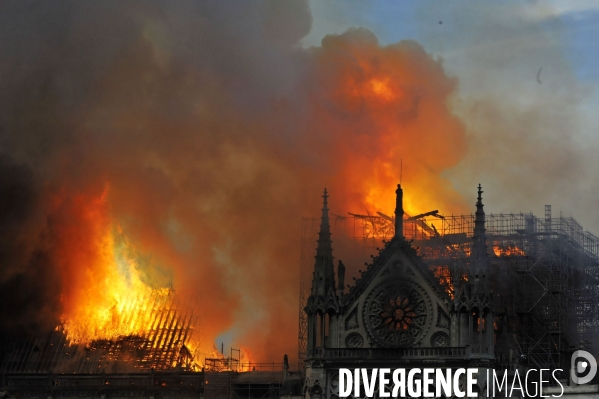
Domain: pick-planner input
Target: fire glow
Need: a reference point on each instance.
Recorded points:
(109, 297)
(443, 275)
(509, 250)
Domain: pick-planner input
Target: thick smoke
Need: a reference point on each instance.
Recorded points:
(205, 133)
(29, 286)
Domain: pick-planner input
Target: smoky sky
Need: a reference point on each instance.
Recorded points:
(211, 133)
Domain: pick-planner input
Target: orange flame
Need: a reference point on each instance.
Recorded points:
(394, 103)
(105, 294)
(240, 360)
(443, 274)
(508, 250)
(381, 88)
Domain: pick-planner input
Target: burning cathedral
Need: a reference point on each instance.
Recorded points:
(452, 299)
(396, 315)
(488, 291)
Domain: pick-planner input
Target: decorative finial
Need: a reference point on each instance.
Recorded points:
(399, 212)
(479, 222)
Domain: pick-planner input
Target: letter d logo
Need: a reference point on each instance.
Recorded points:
(583, 367)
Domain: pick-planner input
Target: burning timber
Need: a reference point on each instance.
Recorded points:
(162, 343)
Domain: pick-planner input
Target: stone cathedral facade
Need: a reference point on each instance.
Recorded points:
(396, 315)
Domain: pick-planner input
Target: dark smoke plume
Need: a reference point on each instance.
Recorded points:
(29, 287)
(203, 133)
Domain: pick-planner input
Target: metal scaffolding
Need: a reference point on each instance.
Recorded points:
(545, 272)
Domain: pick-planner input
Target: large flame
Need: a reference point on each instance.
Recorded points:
(107, 296)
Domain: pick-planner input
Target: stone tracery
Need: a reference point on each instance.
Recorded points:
(397, 313)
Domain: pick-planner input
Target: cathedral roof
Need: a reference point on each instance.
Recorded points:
(372, 270)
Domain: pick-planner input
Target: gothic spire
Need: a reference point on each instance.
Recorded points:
(478, 292)
(479, 262)
(324, 273)
(479, 237)
(325, 248)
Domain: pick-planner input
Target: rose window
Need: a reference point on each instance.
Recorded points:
(398, 314)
